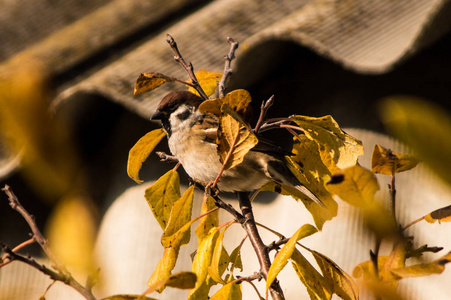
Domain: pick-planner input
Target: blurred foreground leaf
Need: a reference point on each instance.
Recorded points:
(422, 126)
(71, 231)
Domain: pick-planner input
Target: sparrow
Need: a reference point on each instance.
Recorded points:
(192, 140)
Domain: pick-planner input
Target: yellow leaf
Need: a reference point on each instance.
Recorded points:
(201, 263)
(162, 195)
(127, 297)
(287, 250)
(357, 187)
(235, 138)
(181, 280)
(435, 267)
(220, 259)
(235, 259)
(180, 216)
(396, 259)
(341, 283)
(230, 291)
(209, 221)
(441, 215)
(212, 106)
(317, 287)
(150, 81)
(140, 151)
(319, 213)
(366, 269)
(343, 148)
(312, 172)
(385, 161)
(207, 80)
(240, 101)
(72, 231)
(423, 127)
(164, 267)
(36, 138)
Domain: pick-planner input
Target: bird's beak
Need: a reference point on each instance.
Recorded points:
(158, 115)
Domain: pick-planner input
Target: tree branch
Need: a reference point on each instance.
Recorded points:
(188, 67)
(259, 247)
(62, 273)
(264, 109)
(227, 70)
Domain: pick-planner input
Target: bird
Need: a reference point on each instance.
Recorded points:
(192, 140)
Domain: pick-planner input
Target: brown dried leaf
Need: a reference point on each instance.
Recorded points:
(150, 81)
(235, 138)
(385, 161)
(441, 215)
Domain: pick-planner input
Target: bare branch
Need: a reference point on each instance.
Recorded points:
(164, 157)
(227, 70)
(257, 243)
(188, 67)
(61, 274)
(264, 109)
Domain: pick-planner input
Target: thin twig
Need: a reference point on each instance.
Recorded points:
(413, 223)
(257, 243)
(392, 188)
(188, 67)
(62, 273)
(227, 70)
(256, 276)
(164, 157)
(37, 235)
(263, 111)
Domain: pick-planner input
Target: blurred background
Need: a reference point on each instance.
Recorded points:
(68, 116)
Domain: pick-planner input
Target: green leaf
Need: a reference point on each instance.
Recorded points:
(342, 148)
(287, 250)
(179, 216)
(230, 291)
(318, 288)
(424, 128)
(140, 151)
(385, 161)
(341, 283)
(219, 260)
(162, 195)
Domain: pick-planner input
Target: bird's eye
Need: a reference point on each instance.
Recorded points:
(184, 114)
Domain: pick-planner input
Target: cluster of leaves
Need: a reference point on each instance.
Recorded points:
(321, 148)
